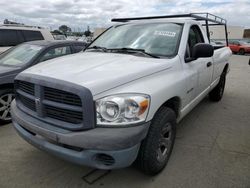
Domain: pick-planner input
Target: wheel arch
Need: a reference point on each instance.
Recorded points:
(174, 103)
(225, 70)
(7, 86)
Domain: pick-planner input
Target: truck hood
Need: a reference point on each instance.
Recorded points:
(99, 71)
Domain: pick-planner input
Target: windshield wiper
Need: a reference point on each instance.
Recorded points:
(97, 48)
(134, 50)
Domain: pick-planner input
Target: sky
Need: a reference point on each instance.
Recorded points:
(78, 14)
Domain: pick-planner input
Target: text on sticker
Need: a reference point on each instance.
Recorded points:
(165, 33)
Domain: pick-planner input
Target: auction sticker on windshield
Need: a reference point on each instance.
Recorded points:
(165, 33)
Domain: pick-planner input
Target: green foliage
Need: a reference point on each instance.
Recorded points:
(64, 29)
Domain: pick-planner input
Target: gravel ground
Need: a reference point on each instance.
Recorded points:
(212, 149)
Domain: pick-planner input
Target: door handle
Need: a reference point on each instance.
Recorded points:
(209, 64)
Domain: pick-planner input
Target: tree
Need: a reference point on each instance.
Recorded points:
(87, 32)
(64, 29)
(6, 21)
(57, 32)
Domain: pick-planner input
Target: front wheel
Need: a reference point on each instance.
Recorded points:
(217, 93)
(157, 146)
(6, 97)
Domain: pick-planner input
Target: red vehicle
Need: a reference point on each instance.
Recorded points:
(239, 47)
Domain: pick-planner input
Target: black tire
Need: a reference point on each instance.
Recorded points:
(162, 129)
(241, 52)
(5, 102)
(217, 93)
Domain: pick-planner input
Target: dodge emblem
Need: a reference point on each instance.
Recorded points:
(37, 101)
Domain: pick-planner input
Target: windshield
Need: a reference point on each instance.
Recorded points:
(19, 55)
(160, 39)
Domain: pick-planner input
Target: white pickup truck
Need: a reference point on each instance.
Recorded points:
(120, 100)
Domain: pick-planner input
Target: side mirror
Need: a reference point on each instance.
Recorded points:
(201, 50)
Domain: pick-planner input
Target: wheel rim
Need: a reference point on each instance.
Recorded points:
(5, 102)
(165, 143)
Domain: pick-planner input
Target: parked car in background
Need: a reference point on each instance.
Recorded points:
(59, 37)
(85, 39)
(25, 55)
(74, 38)
(12, 35)
(247, 40)
(218, 42)
(239, 47)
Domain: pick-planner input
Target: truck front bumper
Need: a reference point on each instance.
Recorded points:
(102, 148)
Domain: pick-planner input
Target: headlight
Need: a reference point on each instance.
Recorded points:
(124, 109)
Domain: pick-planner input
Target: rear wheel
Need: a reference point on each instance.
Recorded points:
(241, 51)
(217, 93)
(6, 97)
(157, 146)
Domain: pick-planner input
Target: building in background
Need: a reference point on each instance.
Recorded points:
(98, 31)
(247, 33)
(6, 21)
(234, 32)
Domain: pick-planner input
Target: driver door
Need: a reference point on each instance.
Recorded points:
(203, 67)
